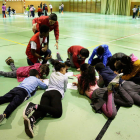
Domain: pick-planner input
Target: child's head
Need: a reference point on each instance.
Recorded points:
(44, 30)
(134, 5)
(100, 50)
(59, 67)
(126, 60)
(34, 72)
(52, 18)
(44, 69)
(84, 53)
(88, 77)
(67, 64)
(99, 67)
(118, 65)
(127, 64)
(38, 6)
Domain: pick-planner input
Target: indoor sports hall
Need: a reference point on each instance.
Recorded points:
(89, 23)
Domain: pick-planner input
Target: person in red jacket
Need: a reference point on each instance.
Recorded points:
(77, 55)
(35, 51)
(39, 10)
(51, 22)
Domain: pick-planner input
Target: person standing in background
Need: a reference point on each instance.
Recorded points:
(137, 12)
(50, 8)
(62, 7)
(46, 10)
(43, 9)
(28, 9)
(39, 10)
(134, 11)
(59, 8)
(41, 5)
(9, 10)
(3, 10)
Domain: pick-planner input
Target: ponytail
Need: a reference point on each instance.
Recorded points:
(58, 65)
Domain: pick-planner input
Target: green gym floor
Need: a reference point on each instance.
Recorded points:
(79, 121)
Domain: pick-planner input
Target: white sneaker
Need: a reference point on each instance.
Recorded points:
(114, 81)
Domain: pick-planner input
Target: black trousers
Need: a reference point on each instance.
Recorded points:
(3, 13)
(134, 14)
(32, 13)
(39, 14)
(15, 96)
(51, 10)
(50, 103)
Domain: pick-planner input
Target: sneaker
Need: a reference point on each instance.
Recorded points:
(2, 117)
(59, 57)
(29, 124)
(9, 60)
(114, 81)
(68, 59)
(28, 109)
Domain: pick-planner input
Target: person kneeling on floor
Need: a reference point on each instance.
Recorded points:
(77, 55)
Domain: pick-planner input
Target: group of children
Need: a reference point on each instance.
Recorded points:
(9, 10)
(61, 8)
(118, 82)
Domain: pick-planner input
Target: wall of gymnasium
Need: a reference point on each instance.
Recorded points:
(88, 6)
(134, 2)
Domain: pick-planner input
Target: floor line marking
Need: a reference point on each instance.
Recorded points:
(16, 27)
(12, 41)
(105, 127)
(14, 32)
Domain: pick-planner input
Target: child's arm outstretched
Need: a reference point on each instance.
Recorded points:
(42, 84)
(79, 89)
(109, 108)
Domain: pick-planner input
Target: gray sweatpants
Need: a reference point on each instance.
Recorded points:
(71, 61)
(133, 90)
(11, 74)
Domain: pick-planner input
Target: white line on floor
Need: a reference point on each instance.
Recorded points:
(16, 32)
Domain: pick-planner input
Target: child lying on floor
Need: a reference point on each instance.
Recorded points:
(23, 72)
(127, 89)
(102, 98)
(17, 95)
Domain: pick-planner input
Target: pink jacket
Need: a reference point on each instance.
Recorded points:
(23, 72)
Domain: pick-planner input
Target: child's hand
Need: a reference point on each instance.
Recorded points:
(34, 27)
(48, 57)
(56, 44)
(74, 83)
(116, 72)
(78, 69)
(41, 80)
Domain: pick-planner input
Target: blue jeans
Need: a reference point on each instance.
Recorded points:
(28, 13)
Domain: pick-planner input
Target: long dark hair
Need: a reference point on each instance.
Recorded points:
(127, 64)
(88, 77)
